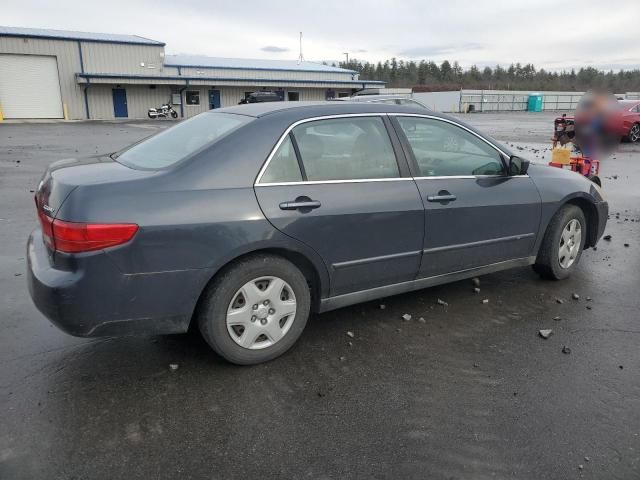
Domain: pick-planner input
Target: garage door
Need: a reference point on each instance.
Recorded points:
(29, 87)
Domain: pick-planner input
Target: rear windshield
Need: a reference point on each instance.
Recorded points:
(178, 142)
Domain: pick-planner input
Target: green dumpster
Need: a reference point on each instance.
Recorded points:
(535, 102)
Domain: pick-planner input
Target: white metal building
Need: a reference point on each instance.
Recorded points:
(78, 75)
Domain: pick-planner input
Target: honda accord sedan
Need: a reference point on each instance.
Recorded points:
(245, 220)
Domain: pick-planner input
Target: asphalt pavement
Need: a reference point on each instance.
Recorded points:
(469, 392)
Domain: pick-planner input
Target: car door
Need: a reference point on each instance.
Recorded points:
(475, 214)
(337, 185)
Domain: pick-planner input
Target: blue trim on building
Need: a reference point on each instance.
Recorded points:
(268, 69)
(150, 43)
(265, 81)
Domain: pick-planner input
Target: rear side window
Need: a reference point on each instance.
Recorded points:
(349, 148)
(283, 167)
(178, 142)
(442, 149)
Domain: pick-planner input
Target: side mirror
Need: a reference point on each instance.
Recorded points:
(518, 165)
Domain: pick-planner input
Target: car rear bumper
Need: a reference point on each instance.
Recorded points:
(94, 298)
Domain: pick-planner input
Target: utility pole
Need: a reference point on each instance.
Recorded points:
(346, 54)
(300, 57)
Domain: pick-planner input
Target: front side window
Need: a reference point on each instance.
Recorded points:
(442, 149)
(192, 97)
(348, 148)
(176, 143)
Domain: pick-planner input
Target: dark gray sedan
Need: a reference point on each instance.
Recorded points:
(246, 219)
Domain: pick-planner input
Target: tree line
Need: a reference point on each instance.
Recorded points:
(427, 75)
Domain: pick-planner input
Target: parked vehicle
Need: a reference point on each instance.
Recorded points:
(261, 97)
(630, 113)
(165, 110)
(244, 220)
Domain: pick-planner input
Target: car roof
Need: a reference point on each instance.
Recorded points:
(302, 109)
(286, 113)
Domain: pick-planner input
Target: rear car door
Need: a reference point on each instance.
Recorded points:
(475, 214)
(337, 185)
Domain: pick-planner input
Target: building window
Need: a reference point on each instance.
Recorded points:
(192, 97)
(293, 96)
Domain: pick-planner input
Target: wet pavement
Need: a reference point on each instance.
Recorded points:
(473, 392)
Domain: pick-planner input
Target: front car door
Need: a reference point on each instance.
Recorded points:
(475, 214)
(339, 185)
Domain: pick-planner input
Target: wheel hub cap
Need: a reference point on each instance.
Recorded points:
(570, 241)
(261, 313)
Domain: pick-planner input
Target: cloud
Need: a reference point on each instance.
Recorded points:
(490, 32)
(274, 49)
(434, 51)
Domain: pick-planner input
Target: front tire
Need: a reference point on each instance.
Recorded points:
(634, 133)
(562, 244)
(174, 114)
(256, 310)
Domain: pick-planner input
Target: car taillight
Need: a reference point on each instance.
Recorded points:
(72, 237)
(46, 223)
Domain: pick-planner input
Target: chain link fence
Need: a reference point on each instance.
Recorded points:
(492, 101)
(515, 102)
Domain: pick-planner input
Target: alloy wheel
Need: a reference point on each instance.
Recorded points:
(570, 242)
(261, 313)
(634, 133)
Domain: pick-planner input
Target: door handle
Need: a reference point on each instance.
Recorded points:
(300, 204)
(442, 196)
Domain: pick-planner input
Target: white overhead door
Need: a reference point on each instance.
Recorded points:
(29, 87)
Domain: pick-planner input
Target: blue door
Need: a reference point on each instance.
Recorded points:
(120, 103)
(214, 99)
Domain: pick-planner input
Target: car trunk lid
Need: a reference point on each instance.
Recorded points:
(56, 187)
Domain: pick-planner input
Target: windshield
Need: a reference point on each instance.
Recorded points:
(178, 142)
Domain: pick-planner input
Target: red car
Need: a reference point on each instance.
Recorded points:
(631, 119)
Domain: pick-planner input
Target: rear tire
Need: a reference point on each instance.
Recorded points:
(228, 309)
(562, 244)
(634, 133)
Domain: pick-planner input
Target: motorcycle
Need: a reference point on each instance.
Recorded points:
(165, 110)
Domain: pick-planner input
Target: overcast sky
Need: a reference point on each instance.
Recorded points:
(552, 34)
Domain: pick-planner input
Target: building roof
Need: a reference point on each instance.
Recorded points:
(72, 35)
(174, 79)
(201, 61)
